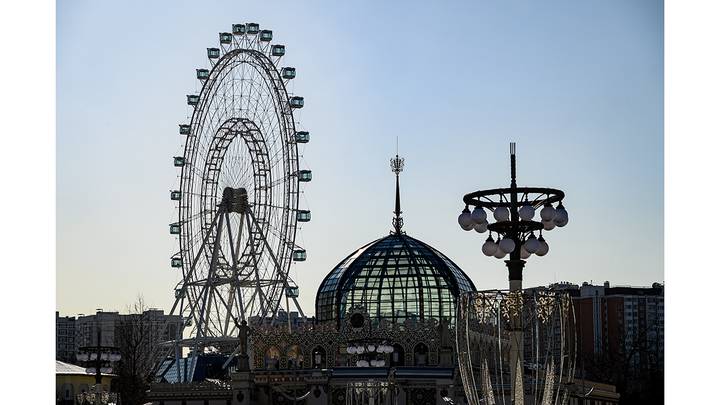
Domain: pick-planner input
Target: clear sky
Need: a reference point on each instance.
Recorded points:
(577, 84)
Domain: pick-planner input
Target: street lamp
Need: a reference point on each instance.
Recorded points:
(101, 357)
(515, 227)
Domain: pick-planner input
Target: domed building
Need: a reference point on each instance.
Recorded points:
(395, 278)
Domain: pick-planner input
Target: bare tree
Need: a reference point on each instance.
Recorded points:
(635, 370)
(137, 343)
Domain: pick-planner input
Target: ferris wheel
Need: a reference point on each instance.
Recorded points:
(238, 197)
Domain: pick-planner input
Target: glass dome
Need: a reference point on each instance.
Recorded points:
(394, 278)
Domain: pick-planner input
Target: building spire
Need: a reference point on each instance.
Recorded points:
(397, 164)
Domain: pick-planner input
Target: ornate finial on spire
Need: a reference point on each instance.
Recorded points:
(512, 164)
(397, 164)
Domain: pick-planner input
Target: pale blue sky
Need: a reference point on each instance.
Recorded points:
(577, 84)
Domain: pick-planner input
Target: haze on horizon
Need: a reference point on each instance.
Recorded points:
(579, 87)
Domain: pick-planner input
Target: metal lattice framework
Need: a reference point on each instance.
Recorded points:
(239, 191)
(487, 323)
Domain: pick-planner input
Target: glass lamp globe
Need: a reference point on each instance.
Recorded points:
(499, 253)
(371, 348)
(478, 215)
(531, 244)
(524, 254)
(548, 225)
(544, 248)
(561, 216)
(507, 245)
(489, 247)
(547, 213)
(465, 220)
(360, 350)
(526, 212)
(480, 227)
(501, 214)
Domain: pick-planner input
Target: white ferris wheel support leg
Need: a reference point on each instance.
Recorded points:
(277, 264)
(236, 282)
(231, 298)
(270, 305)
(202, 328)
(258, 287)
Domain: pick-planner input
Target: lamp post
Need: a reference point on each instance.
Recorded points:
(514, 209)
(99, 356)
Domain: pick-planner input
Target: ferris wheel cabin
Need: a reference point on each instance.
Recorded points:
(302, 137)
(193, 99)
(304, 175)
(175, 195)
(287, 73)
(297, 102)
(303, 216)
(252, 28)
(213, 53)
(292, 292)
(266, 35)
(202, 74)
(184, 129)
(299, 255)
(179, 161)
(238, 29)
(225, 38)
(277, 50)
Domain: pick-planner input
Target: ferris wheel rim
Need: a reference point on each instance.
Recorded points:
(279, 220)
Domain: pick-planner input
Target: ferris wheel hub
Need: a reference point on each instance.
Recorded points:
(235, 200)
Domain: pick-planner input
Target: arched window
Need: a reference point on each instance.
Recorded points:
(421, 354)
(319, 357)
(294, 357)
(397, 357)
(272, 358)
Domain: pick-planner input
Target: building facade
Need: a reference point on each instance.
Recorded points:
(622, 320)
(65, 338)
(73, 382)
(73, 333)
